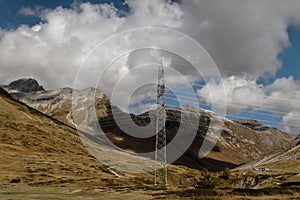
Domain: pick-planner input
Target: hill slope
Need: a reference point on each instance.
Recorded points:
(289, 152)
(36, 149)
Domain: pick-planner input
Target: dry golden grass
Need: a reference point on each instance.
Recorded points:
(36, 150)
(284, 166)
(41, 151)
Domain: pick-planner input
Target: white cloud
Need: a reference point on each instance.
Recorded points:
(52, 51)
(27, 11)
(241, 92)
(281, 98)
(241, 36)
(291, 123)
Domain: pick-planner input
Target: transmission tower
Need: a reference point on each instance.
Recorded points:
(160, 145)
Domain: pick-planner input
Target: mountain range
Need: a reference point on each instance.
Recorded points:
(241, 141)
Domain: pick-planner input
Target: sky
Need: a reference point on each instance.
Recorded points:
(255, 44)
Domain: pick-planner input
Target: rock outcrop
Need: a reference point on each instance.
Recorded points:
(25, 85)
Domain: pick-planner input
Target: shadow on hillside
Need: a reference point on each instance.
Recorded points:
(143, 145)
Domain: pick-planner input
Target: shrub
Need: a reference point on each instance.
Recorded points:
(226, 174)
(207, 181)
(15, 180)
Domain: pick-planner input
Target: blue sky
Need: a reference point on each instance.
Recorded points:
(291, 56)
(10, 19)
(290, 67)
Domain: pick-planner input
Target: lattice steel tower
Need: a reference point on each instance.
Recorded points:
(160, 145)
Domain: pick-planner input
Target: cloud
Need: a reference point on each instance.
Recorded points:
(244, 38)
(290, 123)
(240, 36)
(155, 13)
(27, 11)
(53, 50)
(241, 92)
(280, 99)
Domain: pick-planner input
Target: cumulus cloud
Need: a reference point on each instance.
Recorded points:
(289, 121)
(52, 51)
(237, 90)
(240, 36)
(280, 99)
(244, 38)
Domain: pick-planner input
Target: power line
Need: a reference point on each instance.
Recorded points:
(187, 122)
(235, 116)
(168, 117)
(256, 94)
(254, 112)
(274, 109)
(230, 101)
(258, 112)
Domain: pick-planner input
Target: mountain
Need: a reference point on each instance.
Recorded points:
(56, 103)
(240, 141)
(24, 85)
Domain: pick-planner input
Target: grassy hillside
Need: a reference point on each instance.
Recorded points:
(38, 150)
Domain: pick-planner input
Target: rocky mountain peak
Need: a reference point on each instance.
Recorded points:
(25, 85)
